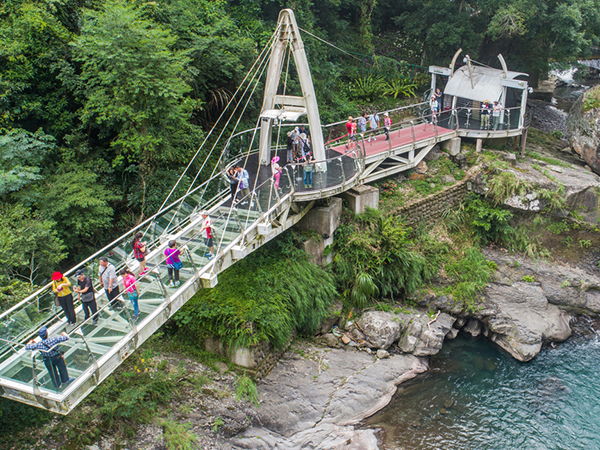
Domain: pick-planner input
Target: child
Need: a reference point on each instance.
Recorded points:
(276, 170)
(132, 292)
(207, 232)
(174, 264)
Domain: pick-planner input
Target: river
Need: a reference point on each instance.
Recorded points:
(476, 397)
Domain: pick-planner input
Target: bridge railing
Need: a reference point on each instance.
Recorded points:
(24, 319)
(92, 345)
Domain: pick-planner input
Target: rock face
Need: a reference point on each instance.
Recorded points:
(417, 333)
(580, 186)
(521, 316)
(314, 396)
(584, 129)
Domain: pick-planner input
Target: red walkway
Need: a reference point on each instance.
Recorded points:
(398, 138)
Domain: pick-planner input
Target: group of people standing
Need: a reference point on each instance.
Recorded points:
(372, 120)
(239, 181)
(486, 110)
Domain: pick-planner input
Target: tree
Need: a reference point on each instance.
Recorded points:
(29, 246)
(134, 91)
(22, 154)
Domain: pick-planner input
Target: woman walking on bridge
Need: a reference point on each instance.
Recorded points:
(276, 171)
(139, 251)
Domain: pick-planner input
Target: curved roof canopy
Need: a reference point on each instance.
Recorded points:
(483, 83)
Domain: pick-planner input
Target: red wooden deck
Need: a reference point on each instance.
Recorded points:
(398, 138)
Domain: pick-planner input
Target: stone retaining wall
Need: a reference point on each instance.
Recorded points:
(433, 206)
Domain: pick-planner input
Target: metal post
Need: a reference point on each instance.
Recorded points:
(342, 168)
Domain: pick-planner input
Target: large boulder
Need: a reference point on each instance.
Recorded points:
(525, 319)
(583, 125)
(381, 329)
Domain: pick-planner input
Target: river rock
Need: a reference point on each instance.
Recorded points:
(525, 319)
(433, 333)
(313, 398)
(380, 328)
(382, 354)
(584, 129)
(473, 327)
(580, 187)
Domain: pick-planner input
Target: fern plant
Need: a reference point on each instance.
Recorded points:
(400, 87)
(367, 88)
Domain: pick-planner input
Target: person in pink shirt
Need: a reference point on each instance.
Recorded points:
(387, 123)
(131, 289)
(174, 264)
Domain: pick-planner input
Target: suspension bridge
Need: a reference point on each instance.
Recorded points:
(94, 351)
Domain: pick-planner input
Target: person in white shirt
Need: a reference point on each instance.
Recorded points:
(207, 232)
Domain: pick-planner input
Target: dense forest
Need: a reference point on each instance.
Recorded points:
(102, 103)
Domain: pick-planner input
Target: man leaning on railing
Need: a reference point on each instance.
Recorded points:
(53, 356)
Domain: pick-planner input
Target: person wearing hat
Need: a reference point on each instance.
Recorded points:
(86, 295)
(387, 123)
(52, 356)
(60, 286)
(276, 170)
(485, 115)
(208, 235)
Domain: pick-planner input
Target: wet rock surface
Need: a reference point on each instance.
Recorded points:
(584, 128)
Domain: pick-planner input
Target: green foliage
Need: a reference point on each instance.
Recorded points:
(504, 185)
(585, 243)
(528, 279)
(245, 389)
(470, 275)
(558, 134)
(79, 204)
(133, 395)
(267, 296)
(400, 87)
(16, 416)
(29, 246)
(376, 255)
(553, 161)
(491, 224)
(558, 227)
(22, 154)
(177, 435)
(367, 88)
(591, 100)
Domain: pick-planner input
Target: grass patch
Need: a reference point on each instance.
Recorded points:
(553, 161)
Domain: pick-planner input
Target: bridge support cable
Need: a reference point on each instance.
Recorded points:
(259, 61)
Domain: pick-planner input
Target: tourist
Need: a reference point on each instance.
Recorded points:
(438, 98)
(139, 251)
(308, 170)
(434, 108)
(243, 179)
(53, 356)
(374, 122)
(304, 130)
(208, 235)
(233, 183)
(174, 264)
(350, 126)
(86, 295)
(485, 115)
(60, 286)
(295, 142)
(362, 123)
(496, 110)
(290, 148)
(276, 170)
(387, 123)
(108, 280)
(132, 292)
(304, 148)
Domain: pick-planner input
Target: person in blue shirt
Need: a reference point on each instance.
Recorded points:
(52, 356)
(244, 183)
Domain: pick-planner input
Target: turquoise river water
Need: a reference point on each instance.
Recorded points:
(476, 397)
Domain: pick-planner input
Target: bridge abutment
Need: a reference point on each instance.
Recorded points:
(452, 146)
(360, 198)
(323, 219)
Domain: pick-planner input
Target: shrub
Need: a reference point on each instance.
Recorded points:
(470, 275)
(177, 435)
(267, 296)
(245, 389)
(367, 88)
(491, 224)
